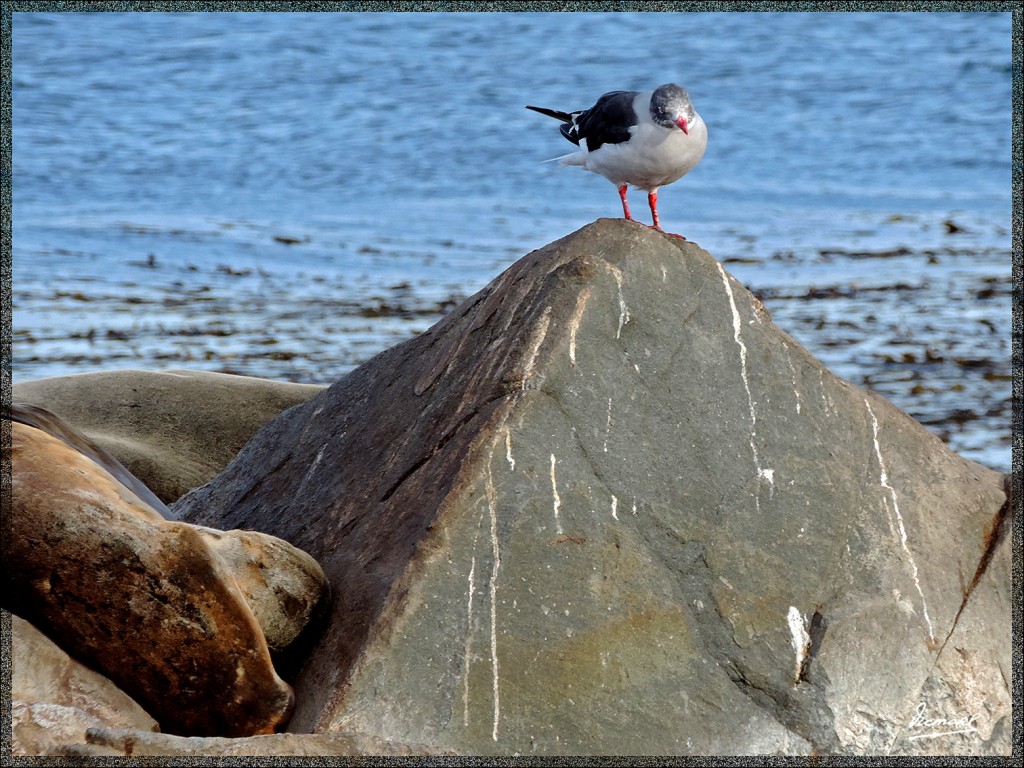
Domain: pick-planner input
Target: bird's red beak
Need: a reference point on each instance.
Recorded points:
(681, 122)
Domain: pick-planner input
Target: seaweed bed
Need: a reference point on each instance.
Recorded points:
(927, 328)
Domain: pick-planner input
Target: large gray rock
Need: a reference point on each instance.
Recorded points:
(173, 430)
(606, 506)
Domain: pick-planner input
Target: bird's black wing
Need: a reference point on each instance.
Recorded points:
(607, 122)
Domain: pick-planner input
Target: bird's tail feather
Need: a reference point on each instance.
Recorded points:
(565, 117)
(573, 158)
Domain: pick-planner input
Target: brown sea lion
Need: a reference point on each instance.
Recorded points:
(142, 600)
(40, 418)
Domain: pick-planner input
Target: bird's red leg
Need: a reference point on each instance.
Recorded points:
(652, 200)
(625, 203)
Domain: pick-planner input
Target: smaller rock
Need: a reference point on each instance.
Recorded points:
(54, 699)
(282, 584)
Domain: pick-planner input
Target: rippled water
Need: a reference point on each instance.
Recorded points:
(287, 194)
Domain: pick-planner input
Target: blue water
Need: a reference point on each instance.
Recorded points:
(338, 119)
(158, 156)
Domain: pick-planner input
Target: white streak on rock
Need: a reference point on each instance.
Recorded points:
(496, 555)
(574, 322)
(468, 650)
(312, 468)
(556, 501)
(664, 274)
(608, 425)
(884, 482)
(799, 638)
(890, 518)
(623, 309)
(762, 472)
(826, 398)
(508, 450)
(615, 506)
(469, 643)
(539, 334)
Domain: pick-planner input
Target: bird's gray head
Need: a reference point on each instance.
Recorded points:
(671, 107)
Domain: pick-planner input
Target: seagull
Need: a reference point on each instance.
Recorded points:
(643, 139)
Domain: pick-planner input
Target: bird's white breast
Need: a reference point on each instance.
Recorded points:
(653, 157)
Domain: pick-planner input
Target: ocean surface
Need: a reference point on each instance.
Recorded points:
(285, 195)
